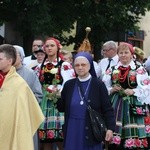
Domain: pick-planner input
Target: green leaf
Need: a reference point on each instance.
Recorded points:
(51, 18)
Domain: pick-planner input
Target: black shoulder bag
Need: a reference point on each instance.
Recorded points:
(96, 120)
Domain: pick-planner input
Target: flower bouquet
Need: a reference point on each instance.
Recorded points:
(115, 80)
(53, 90)
(123, 94)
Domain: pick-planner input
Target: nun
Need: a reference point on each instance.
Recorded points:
(77, 129)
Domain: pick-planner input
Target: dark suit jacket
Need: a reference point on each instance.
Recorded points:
(98, 99)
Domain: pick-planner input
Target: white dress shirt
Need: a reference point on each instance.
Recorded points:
(104, 63)
(29, 63)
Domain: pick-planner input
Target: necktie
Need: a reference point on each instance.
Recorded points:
(109, 59)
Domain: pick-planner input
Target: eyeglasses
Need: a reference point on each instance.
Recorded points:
(78, 65)
(106, 50)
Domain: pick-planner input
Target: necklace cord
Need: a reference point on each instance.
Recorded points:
(80, 89)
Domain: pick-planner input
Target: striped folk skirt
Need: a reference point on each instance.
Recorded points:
(51, 129)
(130, 127)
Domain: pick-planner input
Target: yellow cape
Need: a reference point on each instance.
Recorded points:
(20, 114)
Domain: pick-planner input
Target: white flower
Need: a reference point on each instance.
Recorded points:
(54, 88)
(54, 71)
(115, 71)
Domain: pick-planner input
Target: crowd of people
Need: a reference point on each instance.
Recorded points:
(44, 97)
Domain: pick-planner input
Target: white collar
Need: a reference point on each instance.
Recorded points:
(53, 62)
(131, 64)
(85, 79)
(115, 58)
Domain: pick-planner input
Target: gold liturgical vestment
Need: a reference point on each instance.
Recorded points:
(20, 114)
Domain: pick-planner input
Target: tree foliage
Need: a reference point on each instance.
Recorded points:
(52, 17)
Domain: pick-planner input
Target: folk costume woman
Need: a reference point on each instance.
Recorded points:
(77, 129)
(53, 74)
(128, 85)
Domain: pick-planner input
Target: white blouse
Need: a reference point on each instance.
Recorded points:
(142, 91)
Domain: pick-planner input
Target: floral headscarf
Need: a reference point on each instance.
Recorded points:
(129, 45)
(56, 41)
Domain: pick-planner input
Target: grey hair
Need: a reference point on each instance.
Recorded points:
(110, 44)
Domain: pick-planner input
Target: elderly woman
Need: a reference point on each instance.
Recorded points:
(128, 85)
(77, 129)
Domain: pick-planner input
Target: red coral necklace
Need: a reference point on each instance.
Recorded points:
(124, 71)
